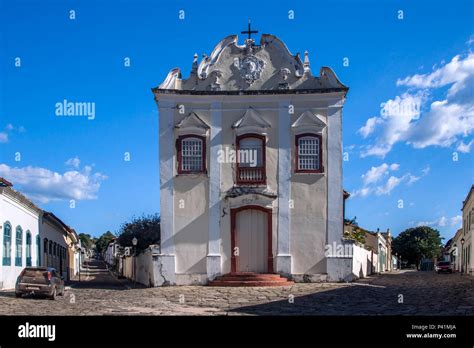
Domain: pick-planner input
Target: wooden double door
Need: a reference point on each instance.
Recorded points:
(251, 237)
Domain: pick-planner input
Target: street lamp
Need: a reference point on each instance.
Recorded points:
(134, 243)
(462, 255)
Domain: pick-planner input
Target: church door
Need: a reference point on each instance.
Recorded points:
(251, 244)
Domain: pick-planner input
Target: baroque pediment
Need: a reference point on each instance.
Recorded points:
(192, 124)
(268, 65)
(309, 121)
(251, 122)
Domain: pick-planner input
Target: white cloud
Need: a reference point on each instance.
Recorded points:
(470, 40)
(9, 128)
(3, 137)
(443, 221)
(391, 183)
(465, 148)
(374, 174)
(396, 117)
(369, 127)
(394, 166)
(412, 179)
(457, 70)
(456, 221)
(73, 162)
(44, 185)
(363, 192)
(444, 122)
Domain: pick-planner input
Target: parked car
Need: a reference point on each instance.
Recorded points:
(444, 266)
(40, 281)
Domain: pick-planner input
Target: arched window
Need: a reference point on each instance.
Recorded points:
(191, 154)
(7, 244)
(19, 246)
(38, 250)
(28, 248)
(309, 156)
(251, 159)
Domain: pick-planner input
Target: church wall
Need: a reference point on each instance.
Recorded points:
(233, 111)
(309, 214)
(191, 211)
(309, 193)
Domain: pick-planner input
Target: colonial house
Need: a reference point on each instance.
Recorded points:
(455, 250)
(250, 150)
(55, 248)
(75, 251)
(112, 252)
(19, 234)
(30, 236)
(467, 239)
(379, 246)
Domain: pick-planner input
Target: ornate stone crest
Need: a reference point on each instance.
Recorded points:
(250, 68)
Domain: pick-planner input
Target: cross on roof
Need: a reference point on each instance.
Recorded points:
(249, 31)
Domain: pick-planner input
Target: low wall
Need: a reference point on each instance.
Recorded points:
(142, 268)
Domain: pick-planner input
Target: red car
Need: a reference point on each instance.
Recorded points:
(444, 266)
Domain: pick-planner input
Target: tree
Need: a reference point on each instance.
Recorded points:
(103, 241)
(146, 229)
(86, 240)
(417, 243)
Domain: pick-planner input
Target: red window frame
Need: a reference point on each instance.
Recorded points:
(263, 181)
(320, 159)
(180, 158)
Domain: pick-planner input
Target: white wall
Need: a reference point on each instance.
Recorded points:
(55, 234)
(144, 268)
(17, 214)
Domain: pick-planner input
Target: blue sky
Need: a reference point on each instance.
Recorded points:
(82, 59)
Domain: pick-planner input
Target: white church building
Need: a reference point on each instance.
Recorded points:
(250, 148)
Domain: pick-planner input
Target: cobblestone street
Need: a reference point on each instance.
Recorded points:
(98, 293)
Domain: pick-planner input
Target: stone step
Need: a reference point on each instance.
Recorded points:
(252, 274)
(237, 283)
(250, 279)
(256, 278)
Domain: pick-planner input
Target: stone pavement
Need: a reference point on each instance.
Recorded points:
(394, 293)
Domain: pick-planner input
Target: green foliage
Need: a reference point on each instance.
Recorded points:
(86, 240)
(103, 241)
(417, 243)
(146, 229)
(356, 233)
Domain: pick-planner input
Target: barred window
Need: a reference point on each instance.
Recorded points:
(191, 154)
(308, 153)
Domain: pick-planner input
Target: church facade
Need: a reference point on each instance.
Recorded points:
(250, 148)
